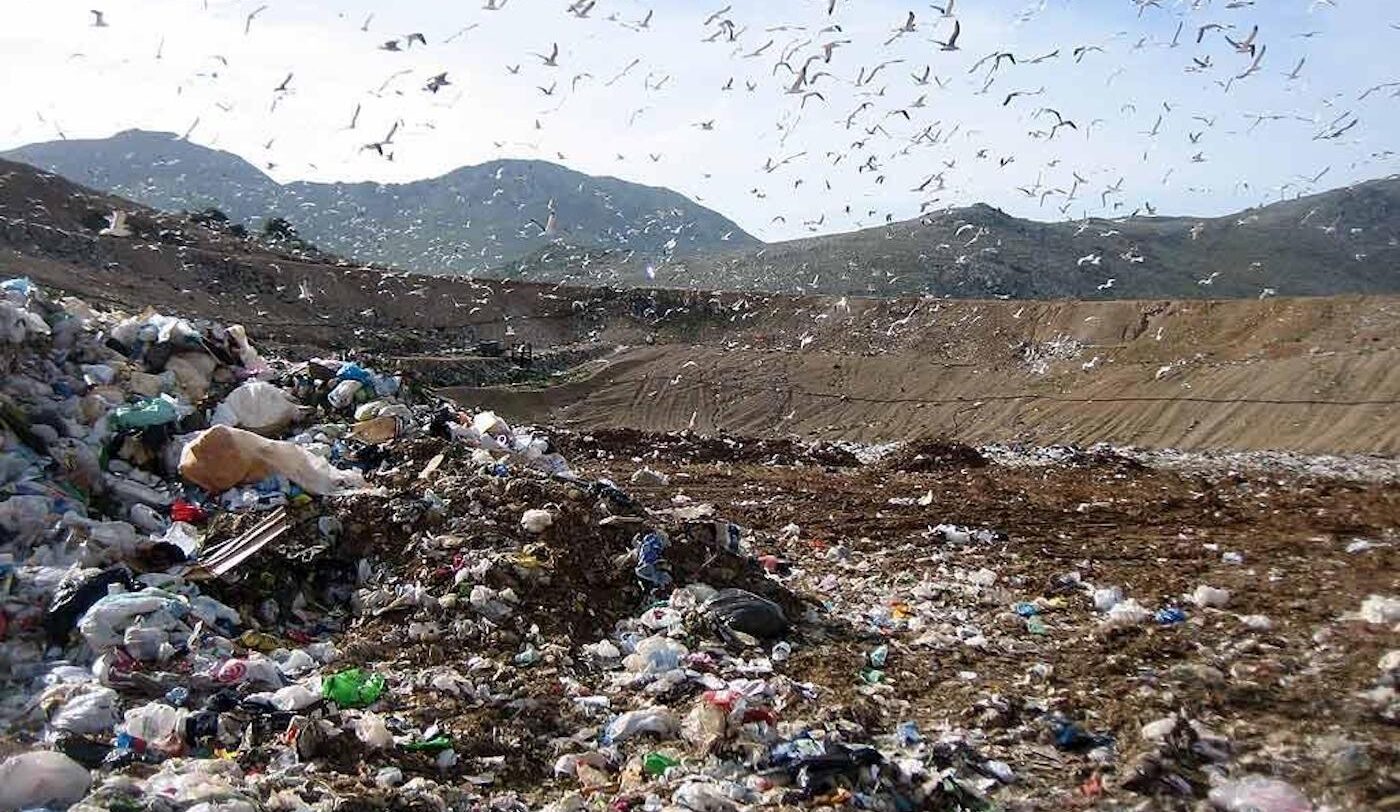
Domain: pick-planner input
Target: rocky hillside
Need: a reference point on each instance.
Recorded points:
(1342, 241)
(470, 219)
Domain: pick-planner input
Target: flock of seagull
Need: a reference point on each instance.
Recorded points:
(886, 115)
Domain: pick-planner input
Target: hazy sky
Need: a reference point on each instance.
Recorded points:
(65, 75)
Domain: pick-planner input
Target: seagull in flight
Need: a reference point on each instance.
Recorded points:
(437, 83)
(248, 22)
(952, 43)
(551, 61)
(98, 20)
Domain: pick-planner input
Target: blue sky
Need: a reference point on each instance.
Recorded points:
(1212, 152)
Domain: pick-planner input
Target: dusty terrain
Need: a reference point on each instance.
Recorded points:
(1310, 374)
(1320, 375)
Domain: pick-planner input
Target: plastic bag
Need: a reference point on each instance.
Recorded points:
(343, 394)
(742, 611)
(258, 407)
(488, 423)
(157, 724)
(294, 697)
(1127, 613)
(370, 729)
(104, 623)
(655, 655)
(42, 778)
(1256, 793)
(25, 517)
(536, 521)
(1210, 596)
(222, 457)
(635, 723)
(92, 710)
(143, 414)
(353, 688)
(76, 595)
(703, 797)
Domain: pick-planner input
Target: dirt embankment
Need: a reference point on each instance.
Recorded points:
(1318, 375)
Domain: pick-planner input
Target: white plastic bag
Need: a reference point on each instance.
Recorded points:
(91, 711)
(344, 393)
(42, 778)
(655, 655)
(703, 797)
(536, 521)
(1257, 793)
(258, 407)
(370, 729)
(104, 623)
(647, 720)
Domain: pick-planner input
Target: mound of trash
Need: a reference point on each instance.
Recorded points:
(239, 582)
(690, 447)
(933, 454)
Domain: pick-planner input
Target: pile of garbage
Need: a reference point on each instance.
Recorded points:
(236, 582)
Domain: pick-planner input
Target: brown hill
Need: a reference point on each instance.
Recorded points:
(1319, 374)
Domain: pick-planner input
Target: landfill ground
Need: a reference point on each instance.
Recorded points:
(1290, 700)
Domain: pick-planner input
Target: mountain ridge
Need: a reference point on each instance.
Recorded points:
(479, 215)
(1346, 240)
(1342, 241)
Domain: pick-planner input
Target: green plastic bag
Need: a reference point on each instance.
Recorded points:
(353, 688)
(657, 763)
(145, 413)
(431, 745)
